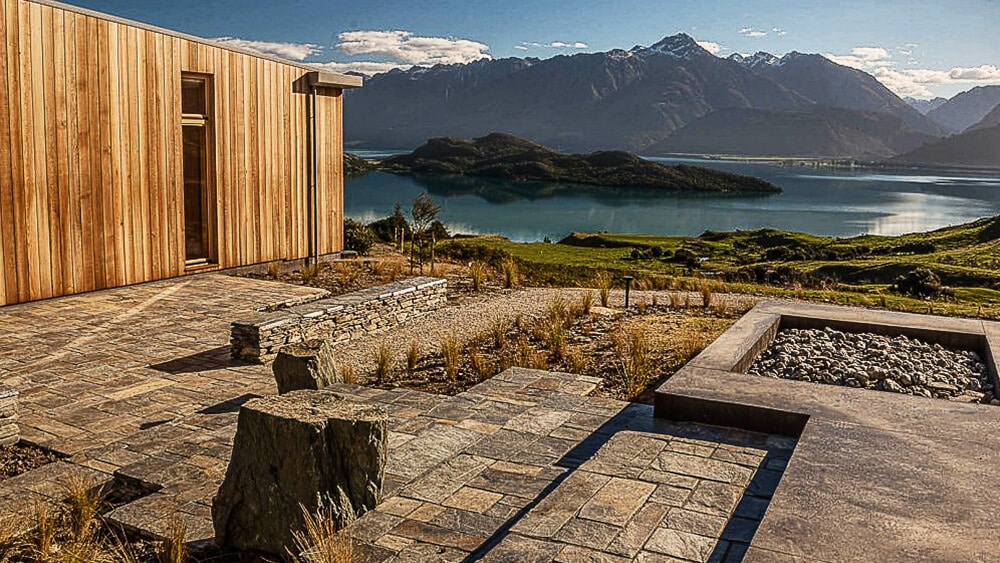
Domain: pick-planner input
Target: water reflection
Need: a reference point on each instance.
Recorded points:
(830, 203)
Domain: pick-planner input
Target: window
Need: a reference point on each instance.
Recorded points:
(198, 204)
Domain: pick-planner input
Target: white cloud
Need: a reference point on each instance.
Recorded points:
(863, 58)
(914, 82)
(778, 31)
(527, 45)
(404, 47)
(751, 32)
(711, 46)
(290, 51)
(366, 68)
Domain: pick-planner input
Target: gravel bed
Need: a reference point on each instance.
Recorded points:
(463, 318)
(900, 364)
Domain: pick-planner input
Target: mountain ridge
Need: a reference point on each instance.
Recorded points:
(617, 99)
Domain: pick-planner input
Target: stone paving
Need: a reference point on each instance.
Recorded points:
(136, 384)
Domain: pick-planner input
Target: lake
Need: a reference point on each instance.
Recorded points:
(819, 201)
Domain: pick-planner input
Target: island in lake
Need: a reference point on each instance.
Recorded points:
(499, 155)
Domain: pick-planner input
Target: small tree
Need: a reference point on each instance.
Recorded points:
(423, 213)
(399, 225)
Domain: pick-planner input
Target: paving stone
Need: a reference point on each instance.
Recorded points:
(631, 539)
(695, 522)
(682, 545)
(714, 497)
(522, 549)
(553, 511)
(587, 533)
(617, 501)
(702, 468)
(576, 554)
(428, 533)
(472, 499)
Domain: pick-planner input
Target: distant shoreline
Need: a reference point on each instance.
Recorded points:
(833, 163)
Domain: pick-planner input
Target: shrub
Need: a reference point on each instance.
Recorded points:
(358, 237)
(920, 282)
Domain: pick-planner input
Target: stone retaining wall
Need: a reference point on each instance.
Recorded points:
(336, 319)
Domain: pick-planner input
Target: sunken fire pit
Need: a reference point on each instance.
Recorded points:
(899, 364)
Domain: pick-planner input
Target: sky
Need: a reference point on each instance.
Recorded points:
(919, 48)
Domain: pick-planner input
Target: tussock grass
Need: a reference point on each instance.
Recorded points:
(481, 366)
(173, 548)
(347, 374)
(449, 354)
(309, 272)
(83, 504)
(603, 282)
(511, 272)
(498, 332)
(586, 302)
(274, 270)
(576, 360)
(383, 363)
(320, 540)
(632, 360)
(412, 357)
(478, 273)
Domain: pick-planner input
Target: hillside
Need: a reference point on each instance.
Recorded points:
(992, 119)
(618, 99)
(855, 270)
(976, 148)
(811, 132)
(966, 109)
(500, 155)
(925, 106)
(826, 83)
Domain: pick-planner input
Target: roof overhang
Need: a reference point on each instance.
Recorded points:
(325, 79)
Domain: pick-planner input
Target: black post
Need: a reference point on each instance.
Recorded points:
(628, 288)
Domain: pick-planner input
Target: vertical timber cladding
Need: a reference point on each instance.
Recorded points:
(91, 167)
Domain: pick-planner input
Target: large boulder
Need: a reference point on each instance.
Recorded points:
(306, 365)
(308, 450)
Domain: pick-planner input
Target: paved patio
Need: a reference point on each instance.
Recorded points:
(136, 384)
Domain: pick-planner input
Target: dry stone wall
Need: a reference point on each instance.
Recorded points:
(336, 319)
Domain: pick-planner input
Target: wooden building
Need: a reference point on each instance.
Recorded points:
(130, 153)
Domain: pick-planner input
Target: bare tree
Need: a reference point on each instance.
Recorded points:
(424, 212)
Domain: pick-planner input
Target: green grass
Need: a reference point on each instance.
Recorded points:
(857, 271)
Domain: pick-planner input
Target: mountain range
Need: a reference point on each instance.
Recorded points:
(976, 147)
(671, 97)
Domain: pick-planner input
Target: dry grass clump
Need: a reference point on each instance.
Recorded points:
(481, 366)
(383, 363)
(347, 273)
(586, 302)
(498, 332)
(511, 272)
(449, 354)
(412, 357)
(705, 290)
(83, 504)
(309, 272)
(321, 540)
(603, 282)
(478, 273)
(632, 360)
(173, 549)
(274, 270)
(641, 305)
(576, 360)
(347, 374)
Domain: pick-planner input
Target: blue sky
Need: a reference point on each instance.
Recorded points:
(919, 47)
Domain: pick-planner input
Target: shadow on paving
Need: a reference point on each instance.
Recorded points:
(742, 523)
(206, 359)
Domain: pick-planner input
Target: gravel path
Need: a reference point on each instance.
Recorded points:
(465, 318)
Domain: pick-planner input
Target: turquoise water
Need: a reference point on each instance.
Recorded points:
(818, 201)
